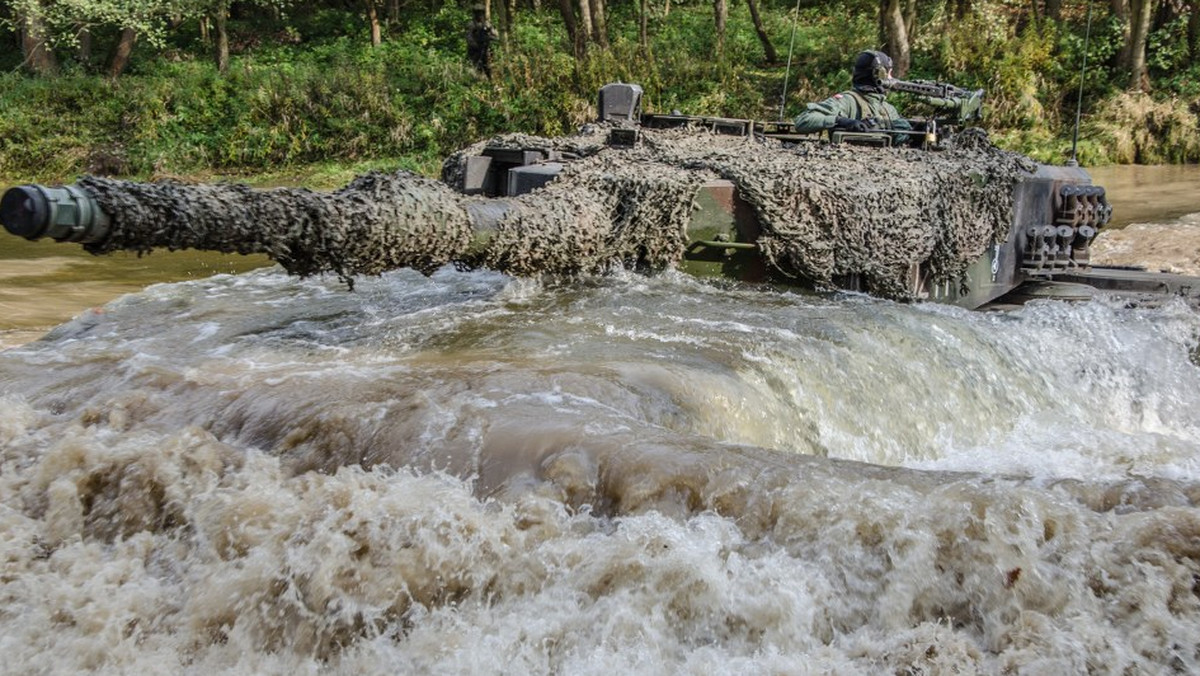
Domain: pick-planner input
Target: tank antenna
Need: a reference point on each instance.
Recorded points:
(1087, 34)
(787, 75)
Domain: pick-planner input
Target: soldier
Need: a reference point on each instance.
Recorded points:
(860, 109)
(480, 35)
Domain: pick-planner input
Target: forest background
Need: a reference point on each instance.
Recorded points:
(312, 92)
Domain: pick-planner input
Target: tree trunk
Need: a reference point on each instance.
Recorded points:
(222, 42)
(644, 28)
(84, 52)
(1054, 10)
(599, 23)
(38, 57)
(1120, 11)
(1194, 30)
(373, 19)
(768, 48)
(121, 52)
(720, 17)
(583, 15)
(1139, 32)
(510, 16)
(895, 36)
(1166, 13)
(567, 9)
(958, 9)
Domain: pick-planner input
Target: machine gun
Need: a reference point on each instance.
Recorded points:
(966, 103)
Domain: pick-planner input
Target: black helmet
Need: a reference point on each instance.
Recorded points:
(871, 68)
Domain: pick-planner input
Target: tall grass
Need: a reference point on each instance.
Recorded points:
(1135, 128)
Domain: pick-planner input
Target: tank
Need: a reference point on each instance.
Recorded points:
(947, 217)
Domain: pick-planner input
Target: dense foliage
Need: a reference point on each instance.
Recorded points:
(306, 85)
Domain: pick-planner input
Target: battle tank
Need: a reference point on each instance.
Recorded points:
(944, 216)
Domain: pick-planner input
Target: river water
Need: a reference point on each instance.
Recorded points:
(251, 473)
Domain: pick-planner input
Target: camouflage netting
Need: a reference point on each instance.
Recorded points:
(612, 209)
(832, 210)
(376, 223)
(825, 211)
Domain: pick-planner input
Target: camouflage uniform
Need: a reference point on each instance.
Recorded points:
(856, 105)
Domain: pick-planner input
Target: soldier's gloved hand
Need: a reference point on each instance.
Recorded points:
(849, 124)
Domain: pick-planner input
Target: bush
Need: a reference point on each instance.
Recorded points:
(1135, 128)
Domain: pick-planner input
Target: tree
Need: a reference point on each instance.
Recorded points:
(1140, 13)
(586, 24)
(373, 22)
(1053, 10)
(583, 18)
(44, 24)
(510, 18)
(35, 39)
(122, 51)
(220, 14)
(643, 28)
(768, 48)
(893, 33)
(577, 37)
(218, 11)
(1193, 32)
(959, 9)
(720, 16)
(599, 23)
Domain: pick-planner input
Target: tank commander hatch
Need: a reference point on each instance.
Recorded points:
(864, 107)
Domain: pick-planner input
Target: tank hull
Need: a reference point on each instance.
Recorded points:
(724, 230)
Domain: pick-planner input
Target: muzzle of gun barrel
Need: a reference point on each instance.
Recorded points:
(64, 213)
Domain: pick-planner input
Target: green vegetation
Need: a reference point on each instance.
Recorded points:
(305, 96)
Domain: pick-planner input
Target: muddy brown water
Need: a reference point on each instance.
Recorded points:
(1156, 221)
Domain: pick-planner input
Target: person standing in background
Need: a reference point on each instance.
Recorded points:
(480, 36)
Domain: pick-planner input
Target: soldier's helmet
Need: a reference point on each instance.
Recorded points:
(478, 11)
(871, 69)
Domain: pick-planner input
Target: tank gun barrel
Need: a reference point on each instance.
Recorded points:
(376, 223)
